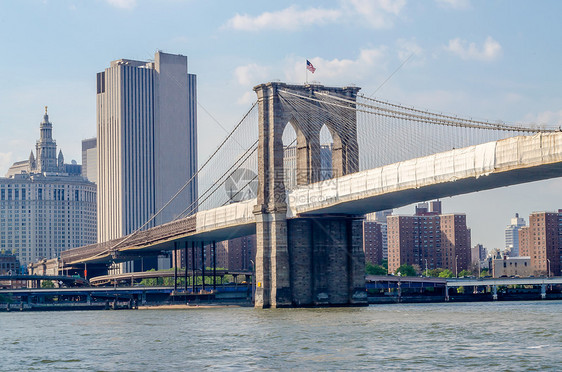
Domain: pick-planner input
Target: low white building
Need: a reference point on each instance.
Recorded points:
(511, 266)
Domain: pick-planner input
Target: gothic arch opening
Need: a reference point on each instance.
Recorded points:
(326, 146)
(289, 156)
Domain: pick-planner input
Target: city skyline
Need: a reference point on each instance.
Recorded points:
(493, 71)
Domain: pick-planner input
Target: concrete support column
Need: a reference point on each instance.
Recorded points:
(272, 261)
(301, 257)
(327, 261)
(543, 291)
(494, 292)
(185, 255)
(356, 265)
(175, 267)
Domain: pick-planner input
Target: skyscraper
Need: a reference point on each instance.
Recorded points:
(147, 142)
(90, 159)
(512, 235)
(45, 205)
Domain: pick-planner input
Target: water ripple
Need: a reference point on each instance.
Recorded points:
(453, 337)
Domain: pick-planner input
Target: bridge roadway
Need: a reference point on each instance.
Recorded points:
(491, 165)
(131, 277)
(36, 278)
(468, 282)
(406, 281)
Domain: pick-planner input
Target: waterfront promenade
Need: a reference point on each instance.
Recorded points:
(380, 290)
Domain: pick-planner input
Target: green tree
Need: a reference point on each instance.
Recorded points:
(406, 270)
(465, 273)
(47, 284)
(434, 272)
(371, 269)
(446, 274)
(484, 272)
(385, 264)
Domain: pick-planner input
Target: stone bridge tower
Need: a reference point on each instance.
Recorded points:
(310, 260)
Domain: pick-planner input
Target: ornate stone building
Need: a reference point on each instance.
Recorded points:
(45, 205)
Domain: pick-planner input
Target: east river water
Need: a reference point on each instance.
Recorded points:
(501, 336)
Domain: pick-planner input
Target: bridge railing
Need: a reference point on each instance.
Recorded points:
(88, 251)
(168, 230)
(164, 231)
(473, 161)
(235, 213)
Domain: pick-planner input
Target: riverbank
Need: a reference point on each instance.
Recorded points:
(189, 306)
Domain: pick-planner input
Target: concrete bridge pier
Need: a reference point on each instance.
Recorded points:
(327, 261)
(312, 261)
(307, 261)
(272, 261)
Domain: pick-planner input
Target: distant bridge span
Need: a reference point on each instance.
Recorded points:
(487, 166)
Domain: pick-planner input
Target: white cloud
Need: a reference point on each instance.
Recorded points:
(448, 102)
(5, 160)
(491, 50)
(123, 4)
(548, 119)
(454, 4)
(250, 74)
(378, 13)
(406, 48)
(247, 98)
(338, 70)
(291, 18)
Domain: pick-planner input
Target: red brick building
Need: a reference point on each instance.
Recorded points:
(236, 254)
(429, 239)
(372, 242)
(541, 241)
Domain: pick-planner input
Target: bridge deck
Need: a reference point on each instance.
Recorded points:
(495, 164)
(490, 165)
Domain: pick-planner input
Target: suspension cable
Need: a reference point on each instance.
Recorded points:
(126, 238)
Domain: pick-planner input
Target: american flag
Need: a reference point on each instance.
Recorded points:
(309, 66)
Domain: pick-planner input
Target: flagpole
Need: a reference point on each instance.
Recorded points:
(306, 72)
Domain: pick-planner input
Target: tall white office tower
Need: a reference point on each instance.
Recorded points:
(147, 142)
(90, 159)
(512, 235)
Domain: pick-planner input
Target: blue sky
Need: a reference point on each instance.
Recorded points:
(495, 60)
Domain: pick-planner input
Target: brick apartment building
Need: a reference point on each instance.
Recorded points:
(429, 239)
(542, 242)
